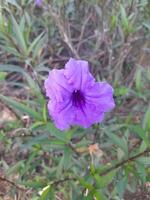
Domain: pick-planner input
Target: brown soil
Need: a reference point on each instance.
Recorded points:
(140, 194)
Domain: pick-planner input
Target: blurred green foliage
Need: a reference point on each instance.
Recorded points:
(106, 160)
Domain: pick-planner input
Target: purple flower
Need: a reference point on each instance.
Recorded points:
(38, 2)
(75, 97)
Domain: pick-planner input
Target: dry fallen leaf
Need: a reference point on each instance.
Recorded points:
(95, 150)
(6, 114)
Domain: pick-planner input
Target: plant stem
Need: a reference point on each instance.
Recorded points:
(124, 162)
(12, 183)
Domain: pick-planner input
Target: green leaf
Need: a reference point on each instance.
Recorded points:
(35, 183)
(28, 163)
(103, 181)
(138, 130)
(2, 21)
(67, 158)
(121, 91)
(121, 186)
(103, 168)
(45, 112)
(113, 21)
(70, 133)
(2, 76)
(36, 125)
(89, 197)
(119, 141)
(10, 50)
(143, 146)
(144, 160)
(141, 171)
(98, 195)
(19, 36)
(146, 121)
(47, 193)
(21, 107)
(124, 18)
(55, 132)
(35, 43)
(138, 79)
(41, 139)
(141, 133)
(85, 184)
(14, 3)
(15, 68)
(15, 168)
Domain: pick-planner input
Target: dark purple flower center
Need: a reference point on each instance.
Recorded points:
(78, 99)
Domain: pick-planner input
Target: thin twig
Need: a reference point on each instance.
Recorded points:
(135, 145)
(73, 148)
(124, 162)
(96, 133)
(64, 180)
(82, 31)
(34, 75)
(23, 131)
(60, 24)
(12, 183)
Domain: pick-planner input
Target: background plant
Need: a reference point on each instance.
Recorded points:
(107, 161)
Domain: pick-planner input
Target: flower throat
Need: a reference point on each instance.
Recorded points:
(78, 99)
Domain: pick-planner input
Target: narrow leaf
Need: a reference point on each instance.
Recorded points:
(21, 107)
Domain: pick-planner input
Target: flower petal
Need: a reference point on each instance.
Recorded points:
(101, 95)
(87, 116)
(78, 75)
(57, 86)
(38, 2)
(62, 113)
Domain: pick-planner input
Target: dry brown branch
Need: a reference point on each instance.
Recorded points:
(63, 32)
(12, 183)
(122, 163)
(82, 31)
